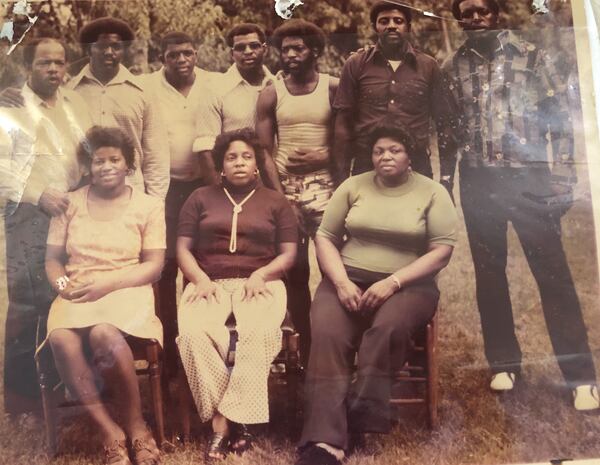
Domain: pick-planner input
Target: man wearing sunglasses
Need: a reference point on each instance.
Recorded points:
(178, 89)
(511, 100)
(232, 103)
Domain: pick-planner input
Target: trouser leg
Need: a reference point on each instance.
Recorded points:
(335, 337)
(167, 288)
(385, 345)
(540, 237)
(203, 343)
(29, 297)
(486, 225)
(258, 323)
(167, 313)
(299, 297)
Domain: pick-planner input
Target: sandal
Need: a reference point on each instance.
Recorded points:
(116, 453)
(145, 451)
(242, 439)
(218, 447)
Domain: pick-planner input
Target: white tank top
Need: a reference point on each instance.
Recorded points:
(302, 120)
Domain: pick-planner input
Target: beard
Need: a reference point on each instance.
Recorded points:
(303, 67)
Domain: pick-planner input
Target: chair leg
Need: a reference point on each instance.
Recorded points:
(49, 410)
(292, 373)
(432, 376)
(185, 402)
(154, 370)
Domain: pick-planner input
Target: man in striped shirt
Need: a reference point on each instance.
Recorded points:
(512, 103)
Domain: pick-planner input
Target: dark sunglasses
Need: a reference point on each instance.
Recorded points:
(254, 46)
(470, 13)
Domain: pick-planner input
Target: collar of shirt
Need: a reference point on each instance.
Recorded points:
(507, 39)
(32, 98)
(122, 77)
(202, 78)
(410, 53)
(233, 78)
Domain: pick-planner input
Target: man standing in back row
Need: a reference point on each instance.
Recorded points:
(118, 99)
(395, 83)
(511, 99)
(178, 88)
(297, 111)
(231, 104)
(38, 142)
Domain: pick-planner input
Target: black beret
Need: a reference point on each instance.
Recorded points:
(380, 6)
(106, 25)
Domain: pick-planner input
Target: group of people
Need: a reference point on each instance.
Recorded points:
(120, 181)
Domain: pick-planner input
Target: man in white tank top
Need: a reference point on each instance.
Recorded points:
(297, 111)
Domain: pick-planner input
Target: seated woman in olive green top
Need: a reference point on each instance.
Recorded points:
(385, 235)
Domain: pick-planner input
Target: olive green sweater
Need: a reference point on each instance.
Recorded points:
(387, 228)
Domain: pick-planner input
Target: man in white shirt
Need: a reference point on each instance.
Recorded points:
(120, 101)
(38, 165)
(232, 104)
(178, 89)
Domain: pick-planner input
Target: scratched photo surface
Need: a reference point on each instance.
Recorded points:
(501, 127)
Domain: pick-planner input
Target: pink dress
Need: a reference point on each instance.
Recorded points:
(96, 248)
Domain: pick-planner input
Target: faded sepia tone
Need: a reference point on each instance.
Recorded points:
(536, 421)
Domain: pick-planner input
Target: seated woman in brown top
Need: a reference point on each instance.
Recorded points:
(235, 242)
(103, 255)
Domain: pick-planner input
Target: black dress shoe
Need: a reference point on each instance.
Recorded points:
(314, 455)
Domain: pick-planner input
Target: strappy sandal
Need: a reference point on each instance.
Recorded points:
(116, 453)
(242, 439)
(145, 451)
(218, 447)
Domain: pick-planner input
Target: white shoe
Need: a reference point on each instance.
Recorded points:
(503, 381)
(585, 397)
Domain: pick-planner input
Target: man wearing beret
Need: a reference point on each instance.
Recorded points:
(117, 98)
(512, 102)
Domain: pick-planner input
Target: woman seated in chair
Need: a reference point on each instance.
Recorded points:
(103, 255)
(384, 236)
(235, 242)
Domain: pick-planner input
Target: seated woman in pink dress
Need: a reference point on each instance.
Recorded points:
(103, 255)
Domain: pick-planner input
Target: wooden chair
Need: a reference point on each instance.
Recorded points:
(285, 369)
(55, 403)
(421, 370)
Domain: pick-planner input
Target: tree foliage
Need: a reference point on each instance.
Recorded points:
(345, 21)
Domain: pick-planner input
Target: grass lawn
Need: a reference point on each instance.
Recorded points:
(536, 422)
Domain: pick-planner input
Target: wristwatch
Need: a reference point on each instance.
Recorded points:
(62, 282)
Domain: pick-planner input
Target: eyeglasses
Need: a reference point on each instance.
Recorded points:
(175, 54)
(254, 47)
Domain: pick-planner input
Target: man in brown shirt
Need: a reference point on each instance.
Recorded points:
(393, 82)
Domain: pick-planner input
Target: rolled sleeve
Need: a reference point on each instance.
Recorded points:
(209, 123)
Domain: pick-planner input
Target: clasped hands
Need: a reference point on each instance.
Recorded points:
(255, 287)
(307, 160)
(87, 292)
(355, 300)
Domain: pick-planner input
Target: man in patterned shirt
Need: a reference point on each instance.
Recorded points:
(119, 100)
(511, 99)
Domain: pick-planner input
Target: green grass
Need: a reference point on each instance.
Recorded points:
(536, 422)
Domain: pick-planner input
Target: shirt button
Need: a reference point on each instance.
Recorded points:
(392, 101)
(393, 82)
